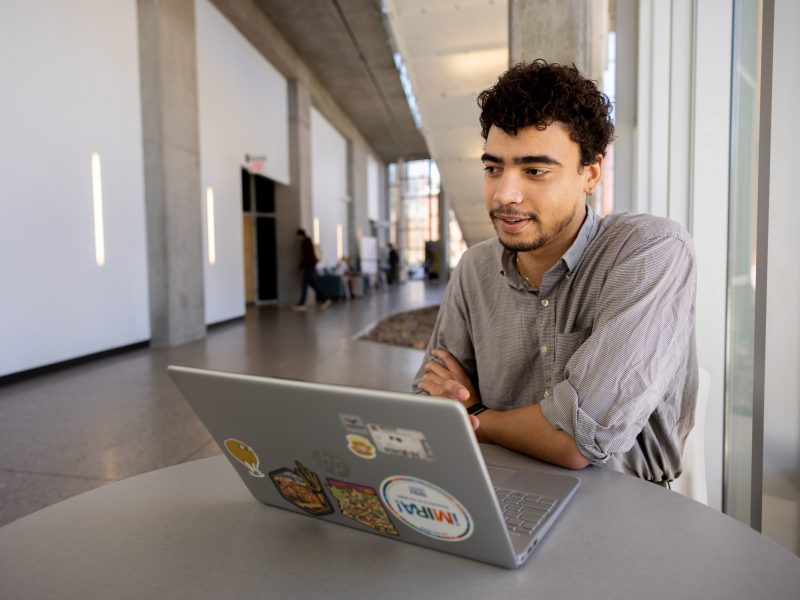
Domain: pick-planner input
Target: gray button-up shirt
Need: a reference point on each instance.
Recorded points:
(606, 346)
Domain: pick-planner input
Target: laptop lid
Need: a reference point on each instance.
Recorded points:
(402, 466)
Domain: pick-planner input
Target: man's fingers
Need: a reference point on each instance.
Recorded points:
(453, 389)
(434, 379)
(436, 368)
(427, 386)
(451, 363)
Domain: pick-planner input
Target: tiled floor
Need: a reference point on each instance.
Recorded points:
(75, 429)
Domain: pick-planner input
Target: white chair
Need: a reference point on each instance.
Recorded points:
(692, 482)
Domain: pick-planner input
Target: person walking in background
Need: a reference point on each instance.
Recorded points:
(394, 265)
(308, 266)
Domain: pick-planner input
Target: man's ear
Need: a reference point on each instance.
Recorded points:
(594, 173)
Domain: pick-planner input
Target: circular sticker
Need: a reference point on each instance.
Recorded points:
(360, 446)
(427, 508)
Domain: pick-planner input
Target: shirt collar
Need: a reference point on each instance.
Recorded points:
(571, 258)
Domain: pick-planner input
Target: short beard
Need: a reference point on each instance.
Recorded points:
(537, 242)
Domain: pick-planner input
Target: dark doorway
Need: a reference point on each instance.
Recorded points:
(260, 244)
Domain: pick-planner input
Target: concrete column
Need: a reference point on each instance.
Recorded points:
(293, 201)
(444, 236)
(626, 102)
(560, 31)
(358, 223)
(172, 170)
(402, 175)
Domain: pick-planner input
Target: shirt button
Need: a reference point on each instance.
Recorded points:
(567, 275)
(544, 349)
(545, 302)
(546, 393)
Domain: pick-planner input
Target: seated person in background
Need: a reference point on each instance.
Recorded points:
(344, 268)
(569, 337)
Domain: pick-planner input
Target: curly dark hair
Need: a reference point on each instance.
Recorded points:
(537, 94)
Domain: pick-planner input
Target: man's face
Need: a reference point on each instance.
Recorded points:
(534, 186)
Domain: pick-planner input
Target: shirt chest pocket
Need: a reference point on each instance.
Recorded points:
(566, 345)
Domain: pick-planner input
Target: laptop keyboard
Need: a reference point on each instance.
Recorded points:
(522, 512)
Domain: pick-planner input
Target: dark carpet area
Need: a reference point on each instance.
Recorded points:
(411, 329)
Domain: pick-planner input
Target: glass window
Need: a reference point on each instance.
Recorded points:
(741, 260)
(414, 190)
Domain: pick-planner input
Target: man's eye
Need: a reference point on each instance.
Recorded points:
(490, 170)
(537, 172)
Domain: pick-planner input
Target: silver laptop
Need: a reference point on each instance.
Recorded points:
(401, 466)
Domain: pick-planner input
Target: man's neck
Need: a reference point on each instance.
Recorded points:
(535, 263)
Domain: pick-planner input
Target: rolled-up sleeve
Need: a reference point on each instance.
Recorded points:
(451, 332)
(640, 337)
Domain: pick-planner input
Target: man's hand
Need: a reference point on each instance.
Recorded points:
(449, 381)
(522, 429)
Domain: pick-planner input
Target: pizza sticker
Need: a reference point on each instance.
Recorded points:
(302, 488)
(427, 508)
(245, 455)
(361, 503)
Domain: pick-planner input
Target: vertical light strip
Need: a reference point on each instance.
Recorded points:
(97, 202)
(212, 236)
(339, 241)
(316, 230)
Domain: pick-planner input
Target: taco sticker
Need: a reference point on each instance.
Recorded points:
(302, 488)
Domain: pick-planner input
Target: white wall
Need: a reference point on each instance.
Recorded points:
(243, 109)
(70, 87)
(328, 184)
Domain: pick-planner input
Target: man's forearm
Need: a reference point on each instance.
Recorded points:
(527, 430)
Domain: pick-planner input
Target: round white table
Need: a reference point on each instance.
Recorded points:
(194, 531)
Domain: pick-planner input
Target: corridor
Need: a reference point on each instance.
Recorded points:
(81, 427)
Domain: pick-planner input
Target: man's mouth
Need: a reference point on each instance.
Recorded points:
(511, 222)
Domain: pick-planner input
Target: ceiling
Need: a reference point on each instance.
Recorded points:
(453, 49)
(345, 44)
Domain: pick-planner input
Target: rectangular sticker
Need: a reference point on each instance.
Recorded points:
(400, 442)
(361, 503)
(353, 423)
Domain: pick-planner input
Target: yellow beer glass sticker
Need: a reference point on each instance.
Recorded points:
(245, 455)
(360, 446)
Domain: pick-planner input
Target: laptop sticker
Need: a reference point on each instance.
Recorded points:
(302, 488)
(331, 463)
(427, 508)
(361, 503)
(245, 455)
(353, 422)
(400, 442)
(360, 446)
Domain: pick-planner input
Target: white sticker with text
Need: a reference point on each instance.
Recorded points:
(427, 508)
(400, 442)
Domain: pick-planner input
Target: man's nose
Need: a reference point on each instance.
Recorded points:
(508, 190)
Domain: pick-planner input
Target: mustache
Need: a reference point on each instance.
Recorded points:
(498, 213)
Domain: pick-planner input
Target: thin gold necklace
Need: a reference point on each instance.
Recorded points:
(519, 270)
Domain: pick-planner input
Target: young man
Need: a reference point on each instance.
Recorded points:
(308, 266)
(569, 337)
